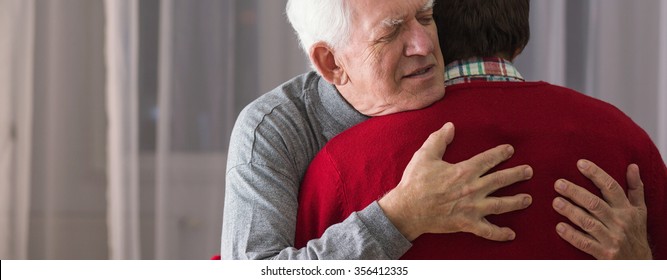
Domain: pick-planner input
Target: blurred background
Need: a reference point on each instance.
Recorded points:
(115, 115)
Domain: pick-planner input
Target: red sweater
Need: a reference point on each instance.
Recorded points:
(550, 128)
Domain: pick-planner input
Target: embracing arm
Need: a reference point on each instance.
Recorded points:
(433, 197)
(260, 217)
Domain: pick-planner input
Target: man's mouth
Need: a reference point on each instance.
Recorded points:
(420, 72)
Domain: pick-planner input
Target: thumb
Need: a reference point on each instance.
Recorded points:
(635, 186)
(437, 142)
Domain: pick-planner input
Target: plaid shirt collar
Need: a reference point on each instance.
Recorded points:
(487, 69)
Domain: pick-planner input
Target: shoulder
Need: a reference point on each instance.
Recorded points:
(287, 98)
(270, 123)
(590, 106)
(603, 117)
(546, 97)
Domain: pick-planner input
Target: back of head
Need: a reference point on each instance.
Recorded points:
(319, 21)
(481, 28)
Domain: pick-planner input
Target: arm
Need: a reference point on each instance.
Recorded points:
(261, 205)
(615, 227)
(259, 223)
(265, 166)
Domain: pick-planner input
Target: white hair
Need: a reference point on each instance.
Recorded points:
(319, 21)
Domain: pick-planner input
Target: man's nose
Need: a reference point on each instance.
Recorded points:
(419, 41)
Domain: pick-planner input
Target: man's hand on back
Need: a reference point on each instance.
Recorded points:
(614, 227)
(434, 196)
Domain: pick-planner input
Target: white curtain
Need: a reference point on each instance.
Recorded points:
(613, 50)
(200, 63)
(53, 72)
(122, 100)
(662, 89)
(115, 118)
(16, 88)
(115, 114)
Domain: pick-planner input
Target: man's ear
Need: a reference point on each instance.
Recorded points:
(325, 62)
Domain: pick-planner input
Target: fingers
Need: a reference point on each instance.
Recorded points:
(579, 217)
(505, 177)
(611, 229)
(635, 186)
(437, 142)
(483, 162)
(596, 206)
(500, 205)
(579, 240)
(611, 190)
(490, 231)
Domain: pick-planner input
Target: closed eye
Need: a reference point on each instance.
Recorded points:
(391, 36)
(426, 20)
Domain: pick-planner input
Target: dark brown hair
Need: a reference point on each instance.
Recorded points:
(481, 28)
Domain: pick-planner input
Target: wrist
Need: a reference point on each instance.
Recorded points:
(397, 214)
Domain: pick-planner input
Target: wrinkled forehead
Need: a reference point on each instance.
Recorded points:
(370, 15)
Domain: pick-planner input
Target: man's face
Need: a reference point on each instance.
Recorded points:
(393, 59)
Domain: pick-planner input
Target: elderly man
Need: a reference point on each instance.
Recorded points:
(373, 57)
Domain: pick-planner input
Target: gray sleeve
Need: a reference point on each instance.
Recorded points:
(260, 217)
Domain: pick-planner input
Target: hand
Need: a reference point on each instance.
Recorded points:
(616, 226)
(434, 196)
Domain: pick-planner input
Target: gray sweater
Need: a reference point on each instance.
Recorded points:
(273, 141)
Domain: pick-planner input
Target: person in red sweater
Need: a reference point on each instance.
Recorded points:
(551, 127)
